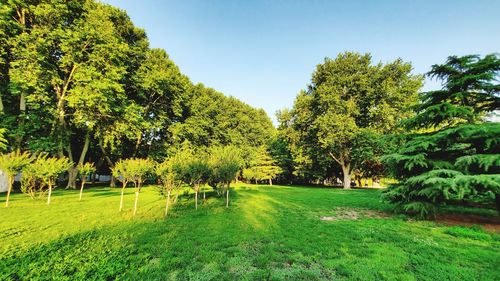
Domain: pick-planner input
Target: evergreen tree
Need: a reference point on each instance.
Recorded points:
(457, 157)
(262, 167)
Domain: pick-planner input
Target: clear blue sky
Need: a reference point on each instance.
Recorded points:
(263, 52)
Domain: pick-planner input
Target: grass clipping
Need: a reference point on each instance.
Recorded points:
(342, 213)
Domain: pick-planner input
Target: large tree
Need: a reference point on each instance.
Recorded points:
(454, 155)
(349, 97)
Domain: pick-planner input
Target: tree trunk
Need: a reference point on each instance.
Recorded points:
(22, 102)
(121, 197)
(270, 182)
(196, 199)
(227, 196)
(166, 205)
(73, 171)
(346, 170)
(135, 203)
(72, 176)
(204, 197)
(11, 183)
(112, 183)
(50, 193)
(81, 188)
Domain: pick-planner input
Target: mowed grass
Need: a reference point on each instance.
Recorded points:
(267, 233)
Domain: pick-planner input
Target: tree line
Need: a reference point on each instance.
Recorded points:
(79, 80)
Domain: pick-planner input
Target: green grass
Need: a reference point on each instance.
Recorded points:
(268, 233)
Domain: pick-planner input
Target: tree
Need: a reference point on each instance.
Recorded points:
(193, 169)
(469, 92)
(122, 171)
(85, 170)
(216, 120)
(47, 169)
(170, 179)
(454, 153)
(282, 154)
(225, 163)
(12, 164)
(162, 91)
(347, 98)
(139, 169)
(78, 79)
(262, 167)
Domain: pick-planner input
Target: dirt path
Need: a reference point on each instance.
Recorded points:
(489, 223)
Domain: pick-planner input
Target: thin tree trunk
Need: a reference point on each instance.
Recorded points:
(204, 197)
(50, 193)
(11, 183)
(270, 182)
(135, 203)
(112, 183)
(166, 205)
(196, 199)
(227, 196)
(121, 197)
(22, 102)
(81, 188)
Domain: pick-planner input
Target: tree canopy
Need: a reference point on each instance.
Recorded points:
(79, 80)
(348, 98)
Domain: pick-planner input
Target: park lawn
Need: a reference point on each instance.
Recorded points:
(267, 233)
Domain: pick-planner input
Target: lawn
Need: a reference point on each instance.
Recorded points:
(268, 233)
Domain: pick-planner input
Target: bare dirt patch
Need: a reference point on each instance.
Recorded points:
(341, 213)
(488, 223)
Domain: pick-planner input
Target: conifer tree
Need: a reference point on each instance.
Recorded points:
(263, 167)
(457, 157)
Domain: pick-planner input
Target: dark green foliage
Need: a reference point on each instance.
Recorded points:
(461, 161)
(3, 140)
(470, 90)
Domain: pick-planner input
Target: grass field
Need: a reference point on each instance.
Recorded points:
(268, 233)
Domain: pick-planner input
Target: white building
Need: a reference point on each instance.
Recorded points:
(3, 182)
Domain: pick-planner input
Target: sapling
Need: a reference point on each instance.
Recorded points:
(121, 172)
(47, 169)
(84, 170)
(169, 179)
(12, 164)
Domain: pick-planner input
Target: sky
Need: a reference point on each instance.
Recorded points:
(263, 52)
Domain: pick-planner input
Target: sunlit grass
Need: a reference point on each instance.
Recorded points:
(268, 233)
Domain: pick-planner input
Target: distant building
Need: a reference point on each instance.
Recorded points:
(4, 181)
